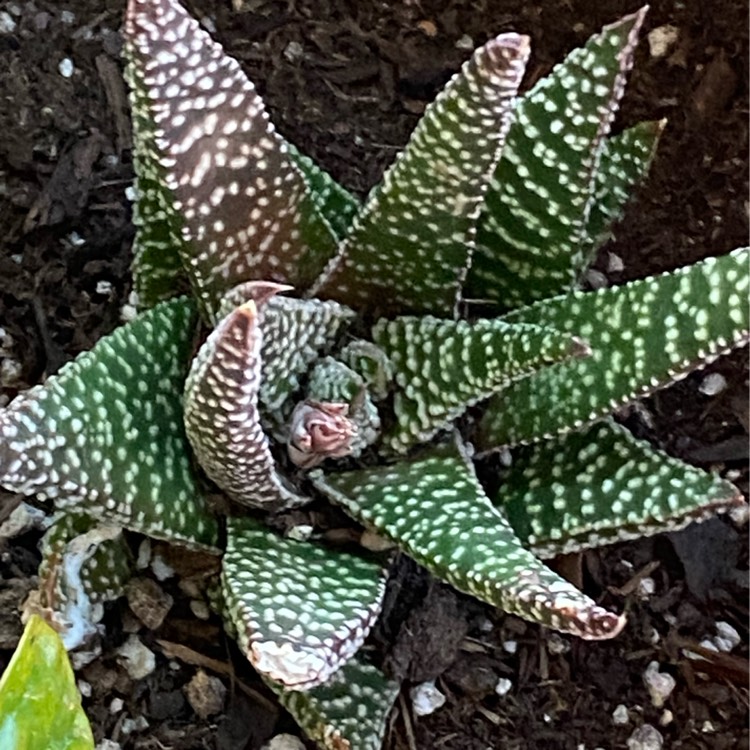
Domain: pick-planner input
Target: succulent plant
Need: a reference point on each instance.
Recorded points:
(294, 344)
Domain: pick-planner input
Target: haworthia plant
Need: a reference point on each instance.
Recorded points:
(325, 335)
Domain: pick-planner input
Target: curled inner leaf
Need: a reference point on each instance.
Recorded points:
(319, 430)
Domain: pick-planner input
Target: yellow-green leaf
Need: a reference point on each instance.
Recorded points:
(40, 708)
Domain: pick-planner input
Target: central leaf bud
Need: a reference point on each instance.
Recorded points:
(319, 430)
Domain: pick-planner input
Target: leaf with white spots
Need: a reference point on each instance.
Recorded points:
(411, 245)
(105, 436)
(625, 162)
(222, 418)
(295, 333)
(333, 202)
(435, 510)
(532, 229)
(158, 273)
(244, 207)
(84, 565)
(442, 367)
(644, 335)
(300, 610)
(600, 486)
(349, 711)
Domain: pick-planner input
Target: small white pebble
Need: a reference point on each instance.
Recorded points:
(666, 718)
(614, 263)
(84, 688)
(116, 705)
(7, 23)
(161, 569)
(108, 745)
(646, 587)
(23, 518)
(709, 645)
(66, 67)
(10, 370)
(662, 39)
(200, 609)
(726, 638)
(104, 287)
(208, 24)
(503, 687)
(646, 738)
(659, 684)
(76, 240)
(426, 698)
(131, 194)
(293, 51)
(486, 625)
(740, 515)
(465, 43)
(138, 724)
(510, 646)
(301, 532)
(707, 727)
(67, 16)
(596, 279)
(144, 554)
(139, 661)
(713, 384)
(620, 715)
(284, 742)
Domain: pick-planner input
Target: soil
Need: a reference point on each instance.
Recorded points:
(346, 82)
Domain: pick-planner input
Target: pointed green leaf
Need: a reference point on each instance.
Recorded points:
(349, 712)
(295, 333)
(222, 418)
(435, 510)
(442, 367)
(300, 610)
(411, 245)
(245, 209)
(625, 162)
(644, 335)
(84, 565)
(602, 486)
(105, 435)
(333, 202)
(531, 233)
(157, 268)
(40, 707)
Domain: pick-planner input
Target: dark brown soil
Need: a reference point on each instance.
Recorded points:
(346, 82)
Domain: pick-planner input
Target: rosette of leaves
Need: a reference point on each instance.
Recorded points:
(332, 348)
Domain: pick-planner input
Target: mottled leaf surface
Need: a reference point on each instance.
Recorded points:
(105, 434)
(40, 707)
(349, 711)
(245, 209)
(295, 333)
(531, 233)
(625, 162)
(410, 247)
(644, 335)
(84, 565)
(436, 511)
(157, 269)
(333, 202)
(222, 418)
(300, 610)
(602, 486)
(441, 367)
